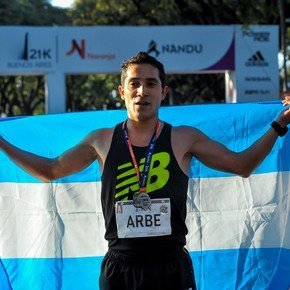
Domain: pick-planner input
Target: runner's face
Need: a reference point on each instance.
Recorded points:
(142, 92)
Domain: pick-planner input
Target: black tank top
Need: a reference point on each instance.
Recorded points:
(165, 180)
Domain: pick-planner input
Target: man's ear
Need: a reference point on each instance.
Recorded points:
(165, 91)
(121, 92)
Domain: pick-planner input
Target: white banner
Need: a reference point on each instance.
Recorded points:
(250, 55)
(256, 61)
(101, 49)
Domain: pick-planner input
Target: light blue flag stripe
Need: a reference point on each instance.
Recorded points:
(255, 269)
(236, 125)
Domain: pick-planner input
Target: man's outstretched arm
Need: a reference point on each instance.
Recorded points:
(217, 156)
(47, 169)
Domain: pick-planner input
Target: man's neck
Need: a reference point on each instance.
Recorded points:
(140, 132)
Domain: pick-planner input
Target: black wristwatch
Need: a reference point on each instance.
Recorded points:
(280, 130)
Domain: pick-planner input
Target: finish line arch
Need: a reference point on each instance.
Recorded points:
(248, 57)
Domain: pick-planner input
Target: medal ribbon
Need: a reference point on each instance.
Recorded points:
(143, 178)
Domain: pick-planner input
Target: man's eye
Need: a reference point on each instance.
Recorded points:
(151, 84)
(133, 84)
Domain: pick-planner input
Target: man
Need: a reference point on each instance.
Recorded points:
(145, 225)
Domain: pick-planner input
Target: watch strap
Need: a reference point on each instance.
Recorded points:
(280, 130)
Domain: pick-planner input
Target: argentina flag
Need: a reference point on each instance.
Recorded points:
(52, 234)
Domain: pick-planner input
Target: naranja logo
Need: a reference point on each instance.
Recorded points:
(79, 48)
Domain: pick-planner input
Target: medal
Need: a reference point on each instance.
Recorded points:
(141, 199)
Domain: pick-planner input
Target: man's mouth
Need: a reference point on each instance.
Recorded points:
(142, 103)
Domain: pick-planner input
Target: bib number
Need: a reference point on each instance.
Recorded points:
(135, 222)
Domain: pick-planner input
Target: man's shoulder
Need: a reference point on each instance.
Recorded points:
(186, 133)
(184, 129)
(100, 139)
(102, 132)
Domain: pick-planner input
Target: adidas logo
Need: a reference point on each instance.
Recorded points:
(257, 59)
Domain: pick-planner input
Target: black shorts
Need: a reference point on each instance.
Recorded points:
(173, 271)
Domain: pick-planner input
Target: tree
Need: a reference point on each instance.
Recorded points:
(174, 12)
(32, 12)
(21, 95)
(92, 92)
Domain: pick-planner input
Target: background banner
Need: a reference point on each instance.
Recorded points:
(52, 234)
(247, 55)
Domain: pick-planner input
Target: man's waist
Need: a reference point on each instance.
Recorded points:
(145, 256)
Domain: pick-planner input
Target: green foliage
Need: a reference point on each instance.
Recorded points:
(32, 12)
(93, 92)
(174, 12)
(21, 95)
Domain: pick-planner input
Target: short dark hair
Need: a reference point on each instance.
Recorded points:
(142, 57)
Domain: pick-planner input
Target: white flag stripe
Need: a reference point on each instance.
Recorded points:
(235, 212)
(51, 220)
(65, 219)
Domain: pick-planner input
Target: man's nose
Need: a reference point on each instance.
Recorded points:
(142, 90)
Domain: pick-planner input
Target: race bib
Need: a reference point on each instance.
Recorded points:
(135, 222)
